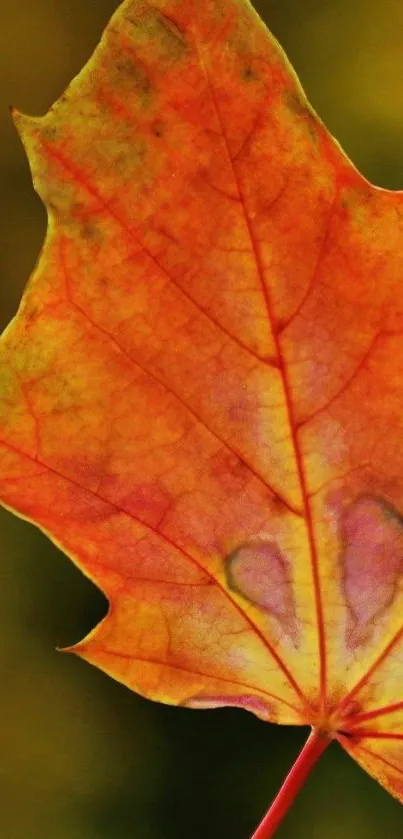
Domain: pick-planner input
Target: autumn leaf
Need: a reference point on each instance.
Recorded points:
(201, 394)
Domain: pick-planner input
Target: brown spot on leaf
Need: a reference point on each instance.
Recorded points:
(172, 28)
(303, 110)
(248, 73)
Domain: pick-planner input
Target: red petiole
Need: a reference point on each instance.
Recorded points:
(311, 752)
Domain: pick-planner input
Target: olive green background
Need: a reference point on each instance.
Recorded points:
(81, 756)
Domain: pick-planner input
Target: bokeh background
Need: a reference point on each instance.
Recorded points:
(81, 756)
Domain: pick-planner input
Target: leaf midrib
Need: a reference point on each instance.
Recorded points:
(288, 400)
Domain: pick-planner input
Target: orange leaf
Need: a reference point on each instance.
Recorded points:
(201, 394)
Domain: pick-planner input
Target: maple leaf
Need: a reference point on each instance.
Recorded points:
(201, 392)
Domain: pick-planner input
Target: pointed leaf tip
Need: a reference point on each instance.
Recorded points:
(25, 125)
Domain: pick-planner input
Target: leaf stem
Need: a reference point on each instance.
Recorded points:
(311, 752)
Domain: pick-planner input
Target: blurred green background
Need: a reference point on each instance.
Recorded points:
(82, 757)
